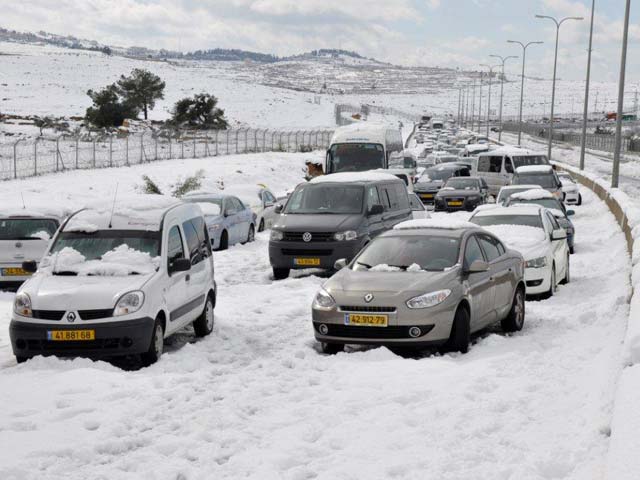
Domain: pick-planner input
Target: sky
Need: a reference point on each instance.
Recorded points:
(445, 33)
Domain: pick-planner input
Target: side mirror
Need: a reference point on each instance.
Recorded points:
(570, 213)
(180, 265)
(30, 266)
(559, 234)
(376, 210)
(279, 208)
(478, 266)
(340, 264)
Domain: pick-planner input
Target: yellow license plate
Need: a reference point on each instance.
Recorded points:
(360, 320)
(14, 272)
(71, 335)
(455, 204)
(426, 195)
(307, 262)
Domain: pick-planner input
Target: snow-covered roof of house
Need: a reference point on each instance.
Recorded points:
(534, 169)
(133, 212)
(350, 177)
(446, 223)
(532, 194)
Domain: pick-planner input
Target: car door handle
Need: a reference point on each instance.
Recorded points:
(187, 277)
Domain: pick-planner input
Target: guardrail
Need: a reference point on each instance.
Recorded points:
(23, 159)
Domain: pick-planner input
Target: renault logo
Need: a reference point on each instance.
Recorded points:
(306, 236)
(71, 317)
(368, 297)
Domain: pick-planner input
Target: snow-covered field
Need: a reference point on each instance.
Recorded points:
(256, 399)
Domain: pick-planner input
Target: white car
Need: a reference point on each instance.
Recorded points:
(536, 234)
(25, 233)
(118, 282)
(570, 189)
(259, 198)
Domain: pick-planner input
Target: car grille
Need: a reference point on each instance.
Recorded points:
(374, 333)
(367, 309)
(307, 252)
(48, 314)
(95, 314)
(315, 236)
(98, 343)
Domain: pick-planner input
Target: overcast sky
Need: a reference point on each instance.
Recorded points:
(411, 32)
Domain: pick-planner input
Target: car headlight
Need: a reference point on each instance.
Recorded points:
(22, 305)
(539, 262)
(428, 299)
(129, 303)
(276, 235)
(323, 300)
(348, 235)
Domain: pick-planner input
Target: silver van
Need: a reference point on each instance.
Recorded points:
(333, 217)
(498, 166)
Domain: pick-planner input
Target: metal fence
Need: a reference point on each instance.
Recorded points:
(605, 143)
(24, 158)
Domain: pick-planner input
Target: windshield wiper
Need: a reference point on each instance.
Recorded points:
(366, 265)
(66, 273)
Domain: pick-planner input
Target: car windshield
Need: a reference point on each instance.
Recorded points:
(210, 206)
(402, 252)
(462, 184)
(545, 180)
(326, 198)
(545, 202)
(525, 220)
(432, 174)
(94, 245)
(355, 157)
(506, 194)
(27, 229)
(522, 160)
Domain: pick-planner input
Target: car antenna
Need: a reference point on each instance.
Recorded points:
(23, 205)
(115, 195)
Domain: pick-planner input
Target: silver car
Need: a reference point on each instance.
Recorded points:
(422, 284)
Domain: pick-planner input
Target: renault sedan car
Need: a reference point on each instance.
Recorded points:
(426, 282)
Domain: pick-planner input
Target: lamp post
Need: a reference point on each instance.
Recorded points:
(524, 59)
(585, 113)
(502, 60)
(623, 67)
(480, 103)
(473, 103)
(558, 24)
(490, 67)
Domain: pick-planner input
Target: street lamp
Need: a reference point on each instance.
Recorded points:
(623, 67)
(502, 60)
(490, 67)
(555, 66)
(585, 115)
(524, 58)
(480, 102)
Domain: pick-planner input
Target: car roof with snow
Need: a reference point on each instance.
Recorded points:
(34, 210)
(522, 209)
(511, 150)
(355, 177)
(532, 169)
(508, 188)
(447, 226)
(135, 212)
(532, 194)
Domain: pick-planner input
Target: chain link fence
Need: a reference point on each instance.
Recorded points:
(27, 158)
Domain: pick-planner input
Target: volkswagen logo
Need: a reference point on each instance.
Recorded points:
(306, 236)
(368, 297)
(71, 317)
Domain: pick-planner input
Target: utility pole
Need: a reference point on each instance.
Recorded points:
(585, 113)
(524, 59)
(623, 67)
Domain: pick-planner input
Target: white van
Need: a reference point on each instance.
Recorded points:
(498, 166)
(25, 232)
(363, 146)
(118, 282)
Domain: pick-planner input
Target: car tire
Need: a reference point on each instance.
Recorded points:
(579, 200)
(203, 325)
(460, 336)
(515, 319)
(281, 273)
(572, 250)
(553, 286)
(251, 235)
(21, 359)
(224, 241)
(567, 275)
(331, 348)
(153, 354)
(261, 226)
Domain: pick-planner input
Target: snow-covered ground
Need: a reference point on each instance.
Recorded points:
(257, 400)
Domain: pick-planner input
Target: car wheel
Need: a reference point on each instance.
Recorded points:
(579, 199)
(281, 273)
(261, 226)
(460, 332)
(224, 241)
(553, 285)
(21, 359)
(251, 236)
(572, 250)
(515, 319)
(331, 348)
(153, 354)
(203, 325)
(567, 275)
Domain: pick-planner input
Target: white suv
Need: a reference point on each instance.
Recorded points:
(117, 282)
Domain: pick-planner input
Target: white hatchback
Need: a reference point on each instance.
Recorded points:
(536, 234)
(117, 282)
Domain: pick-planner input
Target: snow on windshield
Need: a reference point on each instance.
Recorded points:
(209, 208)
(76, 225)
(533, 194)
(519, 237)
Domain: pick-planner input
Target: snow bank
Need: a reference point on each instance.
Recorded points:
(533, 194)
(444, 223)
(349, 177)
(119, 262)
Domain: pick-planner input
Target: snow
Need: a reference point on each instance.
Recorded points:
(383, 267)
(209, 209)
(440, 222)
(78, 225)
(524, 239)
(350, 177)
(34, 206)
(42, 235)
(534, 169)
(533, 194)
(120, 261)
